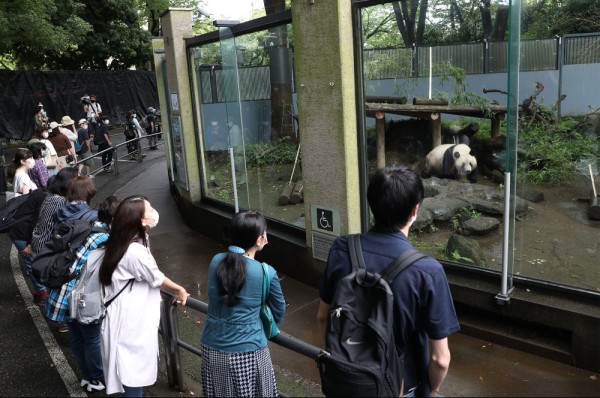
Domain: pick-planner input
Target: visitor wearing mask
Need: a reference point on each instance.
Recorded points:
(129, 272)
(64, 147)
(39, 172)
(50, 156)
(18, 173)
(21, 232)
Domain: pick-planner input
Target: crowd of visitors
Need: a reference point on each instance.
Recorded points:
(118, 353)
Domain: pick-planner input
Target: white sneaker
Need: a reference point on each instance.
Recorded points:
(95, 386)
(84, 383)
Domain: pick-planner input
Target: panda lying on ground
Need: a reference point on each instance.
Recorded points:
(451, 161)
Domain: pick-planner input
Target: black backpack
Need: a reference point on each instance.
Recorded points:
(360, 357)
(9, 210)
(51, 266)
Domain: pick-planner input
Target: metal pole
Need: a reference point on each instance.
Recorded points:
(115, 160)
(233, 180)
(502, 297)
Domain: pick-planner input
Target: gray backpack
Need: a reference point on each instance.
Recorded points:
(86, 302)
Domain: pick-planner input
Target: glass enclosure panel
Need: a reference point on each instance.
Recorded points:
(524, 101)
(244, 91)
(423, 92)
(556, 240)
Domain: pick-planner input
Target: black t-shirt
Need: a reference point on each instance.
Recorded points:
(82, 136)
(149, 120)
(99, 137)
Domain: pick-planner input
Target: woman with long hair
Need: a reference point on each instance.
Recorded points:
(18, 172)
(129, 272)
(233, 340)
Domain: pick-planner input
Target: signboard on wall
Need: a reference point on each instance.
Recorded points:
(325, 228)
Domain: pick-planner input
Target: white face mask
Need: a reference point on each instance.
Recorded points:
(44, 153)
(30, 163)
(154, 217)
(411, 221)
(45, 134)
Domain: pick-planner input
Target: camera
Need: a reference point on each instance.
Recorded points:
(85, 100)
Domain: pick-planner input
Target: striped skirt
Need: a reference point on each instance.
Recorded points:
(244, 374)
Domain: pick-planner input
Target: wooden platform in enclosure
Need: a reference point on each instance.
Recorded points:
(427, 112)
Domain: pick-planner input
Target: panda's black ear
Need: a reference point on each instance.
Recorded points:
(456, 154)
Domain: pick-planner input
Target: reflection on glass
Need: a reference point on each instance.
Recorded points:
(549, 141)
(246, 100)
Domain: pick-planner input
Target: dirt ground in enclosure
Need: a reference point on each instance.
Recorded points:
(554, 241)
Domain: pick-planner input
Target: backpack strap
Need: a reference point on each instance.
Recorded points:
(400, 263)
(129, 282)
(355, 250)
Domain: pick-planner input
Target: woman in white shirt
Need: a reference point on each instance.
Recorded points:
(18, 172)
(129, 332)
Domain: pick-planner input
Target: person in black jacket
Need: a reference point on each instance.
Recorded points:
(20, 234)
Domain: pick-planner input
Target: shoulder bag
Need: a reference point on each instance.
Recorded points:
(269, 324)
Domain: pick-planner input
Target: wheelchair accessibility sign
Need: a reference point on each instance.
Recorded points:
(325, 220)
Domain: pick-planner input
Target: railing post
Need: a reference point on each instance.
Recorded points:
(3, 187)
(115, 160)
(168, 324)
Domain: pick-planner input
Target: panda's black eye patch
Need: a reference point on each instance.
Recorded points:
(457, 154)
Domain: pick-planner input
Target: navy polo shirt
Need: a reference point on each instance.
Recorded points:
(423, 303)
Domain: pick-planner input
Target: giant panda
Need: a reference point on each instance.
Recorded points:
(451, 161)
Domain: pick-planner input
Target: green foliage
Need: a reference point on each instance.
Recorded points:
(268, 153)
(553, 151)
(463, 214)
(542, 19)
(461, 96)
(457, 257)
(74, 34)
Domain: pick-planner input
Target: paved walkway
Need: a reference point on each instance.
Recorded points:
(35, 359)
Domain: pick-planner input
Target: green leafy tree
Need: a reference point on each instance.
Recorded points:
(546, 18)
(34, 32)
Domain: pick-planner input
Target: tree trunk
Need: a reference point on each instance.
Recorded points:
(282, 112)
(422, 19)
(486, 19)
(500, 24)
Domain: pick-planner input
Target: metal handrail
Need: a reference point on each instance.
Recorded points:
(116, 158)
(172, 341)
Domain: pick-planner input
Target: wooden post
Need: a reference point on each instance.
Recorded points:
(380, 126)
(495, 125)
(436, 129)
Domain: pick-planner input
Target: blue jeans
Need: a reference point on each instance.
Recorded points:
(133, 391)
(20, 245)
(85, 344)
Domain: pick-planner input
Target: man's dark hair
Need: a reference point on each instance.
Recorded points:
(393, 193)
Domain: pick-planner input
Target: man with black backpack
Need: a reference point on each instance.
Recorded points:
(356, 303)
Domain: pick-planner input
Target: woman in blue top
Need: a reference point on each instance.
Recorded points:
(235, 357)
